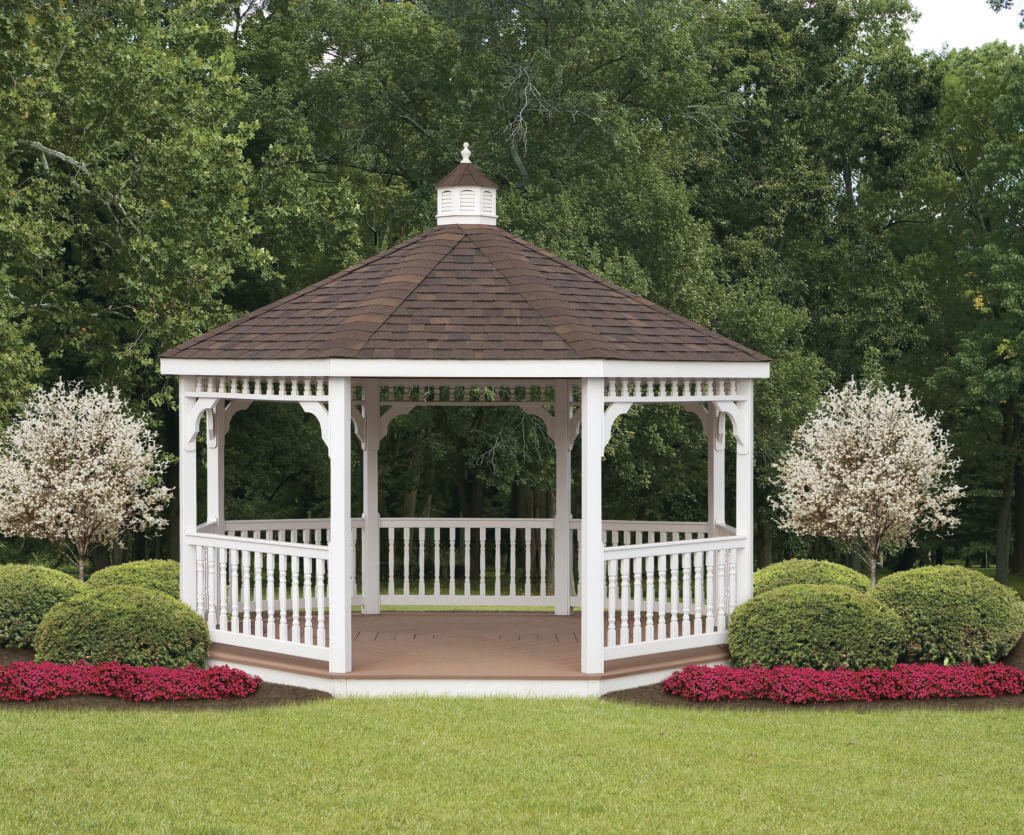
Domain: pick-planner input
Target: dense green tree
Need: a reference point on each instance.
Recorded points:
(970, 195)
(788, 173)
(124, 185)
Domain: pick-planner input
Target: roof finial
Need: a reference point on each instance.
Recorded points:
(465, 152)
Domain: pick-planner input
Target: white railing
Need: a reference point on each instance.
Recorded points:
(668, 596)
(262, 594)
(460, 561)
(494, 562)
(306, 531)
(639, 533)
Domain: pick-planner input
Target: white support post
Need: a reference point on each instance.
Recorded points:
(340, 570)
(715, 430)
(563, 440)
(591, 538)
(371, 507)
(187, 510)
(745, 492)
(216, 429)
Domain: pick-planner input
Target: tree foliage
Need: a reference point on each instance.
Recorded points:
(79, 471)
(869, 469)
(791, 174)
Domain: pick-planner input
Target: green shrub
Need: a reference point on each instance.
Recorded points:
(822, 626)
(793, 572)
(159, 575)
(130, 624)
(953, 614)
(27, 592)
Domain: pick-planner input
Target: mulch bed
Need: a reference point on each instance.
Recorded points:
(653, 695)
(268, 695)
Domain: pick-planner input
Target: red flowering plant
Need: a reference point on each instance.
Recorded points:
(29, 681)
(803, 685)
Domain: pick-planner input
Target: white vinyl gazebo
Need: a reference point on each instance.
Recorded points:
(465, 314)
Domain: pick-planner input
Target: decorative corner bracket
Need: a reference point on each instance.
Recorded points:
(612, 412)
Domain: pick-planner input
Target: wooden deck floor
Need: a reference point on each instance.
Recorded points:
(458, 645)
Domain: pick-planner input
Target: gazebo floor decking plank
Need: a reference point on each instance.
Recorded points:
(460, 645)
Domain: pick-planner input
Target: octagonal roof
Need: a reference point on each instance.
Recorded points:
(464, 292)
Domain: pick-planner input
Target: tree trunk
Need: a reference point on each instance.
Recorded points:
(873, 563)
(767, 533)
(1017, 561)
(1003, 533)
(1010, 439)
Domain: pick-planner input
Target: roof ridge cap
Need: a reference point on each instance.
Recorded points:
(426, 274)
(554, 322)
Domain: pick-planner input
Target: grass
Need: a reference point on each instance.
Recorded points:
(467, 765)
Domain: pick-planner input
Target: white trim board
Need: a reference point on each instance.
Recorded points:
(572, 688)
(464, 369)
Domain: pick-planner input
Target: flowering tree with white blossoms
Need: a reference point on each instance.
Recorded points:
(870, 469)
(79, 471)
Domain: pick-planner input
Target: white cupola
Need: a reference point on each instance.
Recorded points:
(467, 195)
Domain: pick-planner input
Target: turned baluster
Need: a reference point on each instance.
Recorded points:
(498, 538)
(437, 562)
(257, 584)
(611, 565)
(698, 592)
(543, 532)
(272, 622)
(638, 600)
(320, 566)
(421, 559)
(626, 579)
(295, 633)
(222, 597)
(528, 562)
(390, 535)
(662, 630)
(513, 580)
(673, 596)
(234, 626)
(307, 601)
(451, 560)
(649, 570)
(687, 596)
(720, 593)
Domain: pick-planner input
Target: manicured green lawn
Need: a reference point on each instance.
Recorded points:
(506, 765)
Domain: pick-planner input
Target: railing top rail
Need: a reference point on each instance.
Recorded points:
(679, 546)
(270, 546)
(455, 521)
(640, 525)
(463, 521)
(276, 523)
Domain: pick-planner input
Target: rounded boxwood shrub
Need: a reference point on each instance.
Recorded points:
(822, 626)
(129, 624)
(159, 575)
(793, 572)
(27, 592)
(953, 614)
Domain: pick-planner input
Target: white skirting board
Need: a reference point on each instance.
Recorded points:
(472, 687)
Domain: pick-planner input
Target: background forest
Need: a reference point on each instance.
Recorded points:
(789, 173)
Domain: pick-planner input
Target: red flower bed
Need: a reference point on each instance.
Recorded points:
(27, 681)
(802, 685)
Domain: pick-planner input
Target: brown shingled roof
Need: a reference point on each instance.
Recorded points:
(464, 292)
(466, 174)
